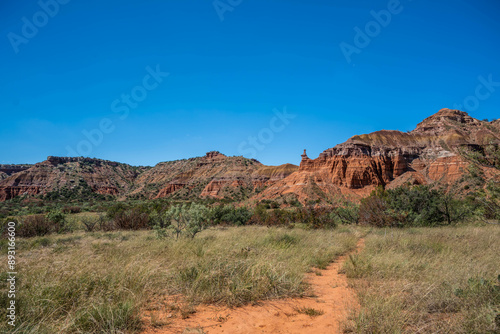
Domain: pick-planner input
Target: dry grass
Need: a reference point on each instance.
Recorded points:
(101, 282)
(312, 312)
(427, 280)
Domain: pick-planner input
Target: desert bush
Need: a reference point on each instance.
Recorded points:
(228, 214)
(269, 204)
(412, 206)
(486, 201)
(308, 216)
(158, 219)
(71, 209)
(315, 217)
(105, 224)
(131, 219)
(187, 220)
(89, 223)
(115, 210)
(34, 226)
(58, 220)
(345, 214)
(276, 217)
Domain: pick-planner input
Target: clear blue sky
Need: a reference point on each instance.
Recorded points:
(70, 69)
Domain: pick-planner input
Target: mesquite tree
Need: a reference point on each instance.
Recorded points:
(188, 220)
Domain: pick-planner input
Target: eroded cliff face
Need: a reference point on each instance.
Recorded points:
(213, 175)
(7, 170)
(68, 174)
(430, 153)
(433, 152)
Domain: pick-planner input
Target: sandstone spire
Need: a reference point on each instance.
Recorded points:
(304, 156)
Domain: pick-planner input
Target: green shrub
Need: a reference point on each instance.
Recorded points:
(34, 226)
(412, 206)
(115, 210)
(187, 220)
(131, 219)
(71, 209)
(58, 219)
(228, 214)
(347, 214)
(89, 223)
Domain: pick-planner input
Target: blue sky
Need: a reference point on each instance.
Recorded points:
(262, 78)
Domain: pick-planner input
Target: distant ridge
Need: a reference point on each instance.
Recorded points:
(431, 153)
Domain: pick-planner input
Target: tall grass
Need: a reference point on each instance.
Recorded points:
(423, 280)
(102, 282)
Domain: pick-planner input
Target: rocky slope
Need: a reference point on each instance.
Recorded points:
(433, 152)
(8, 170)
(437, 151)
(214, 175)
(68, 177)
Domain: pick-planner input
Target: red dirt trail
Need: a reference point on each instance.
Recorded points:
(331, 296)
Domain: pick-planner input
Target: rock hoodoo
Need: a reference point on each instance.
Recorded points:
(430, 153)
(433, 152)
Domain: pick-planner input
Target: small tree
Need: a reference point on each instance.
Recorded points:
(176, 216)
(58, 219)
(453, 210)
(187, 219)
(89, 223)
(197, 217)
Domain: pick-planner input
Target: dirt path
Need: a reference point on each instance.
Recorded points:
(333, 298)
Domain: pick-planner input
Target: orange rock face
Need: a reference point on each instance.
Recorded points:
(356, 171)
(56, 173)
(172, 187)
(449, 169)
(213, 175)
(430, 153)
(13, 191)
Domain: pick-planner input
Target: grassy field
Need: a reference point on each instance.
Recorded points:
(427, 280)
(102, 282)
(417, 280)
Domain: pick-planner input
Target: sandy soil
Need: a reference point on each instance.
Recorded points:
(332, 296)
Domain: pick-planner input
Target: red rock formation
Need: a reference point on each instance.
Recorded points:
(214, 155)
(170, 188)
(57, 173)
(8, 170)
(448, 169)
(106, 190)
(213, 175)
(13, 191)
(430, 153)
